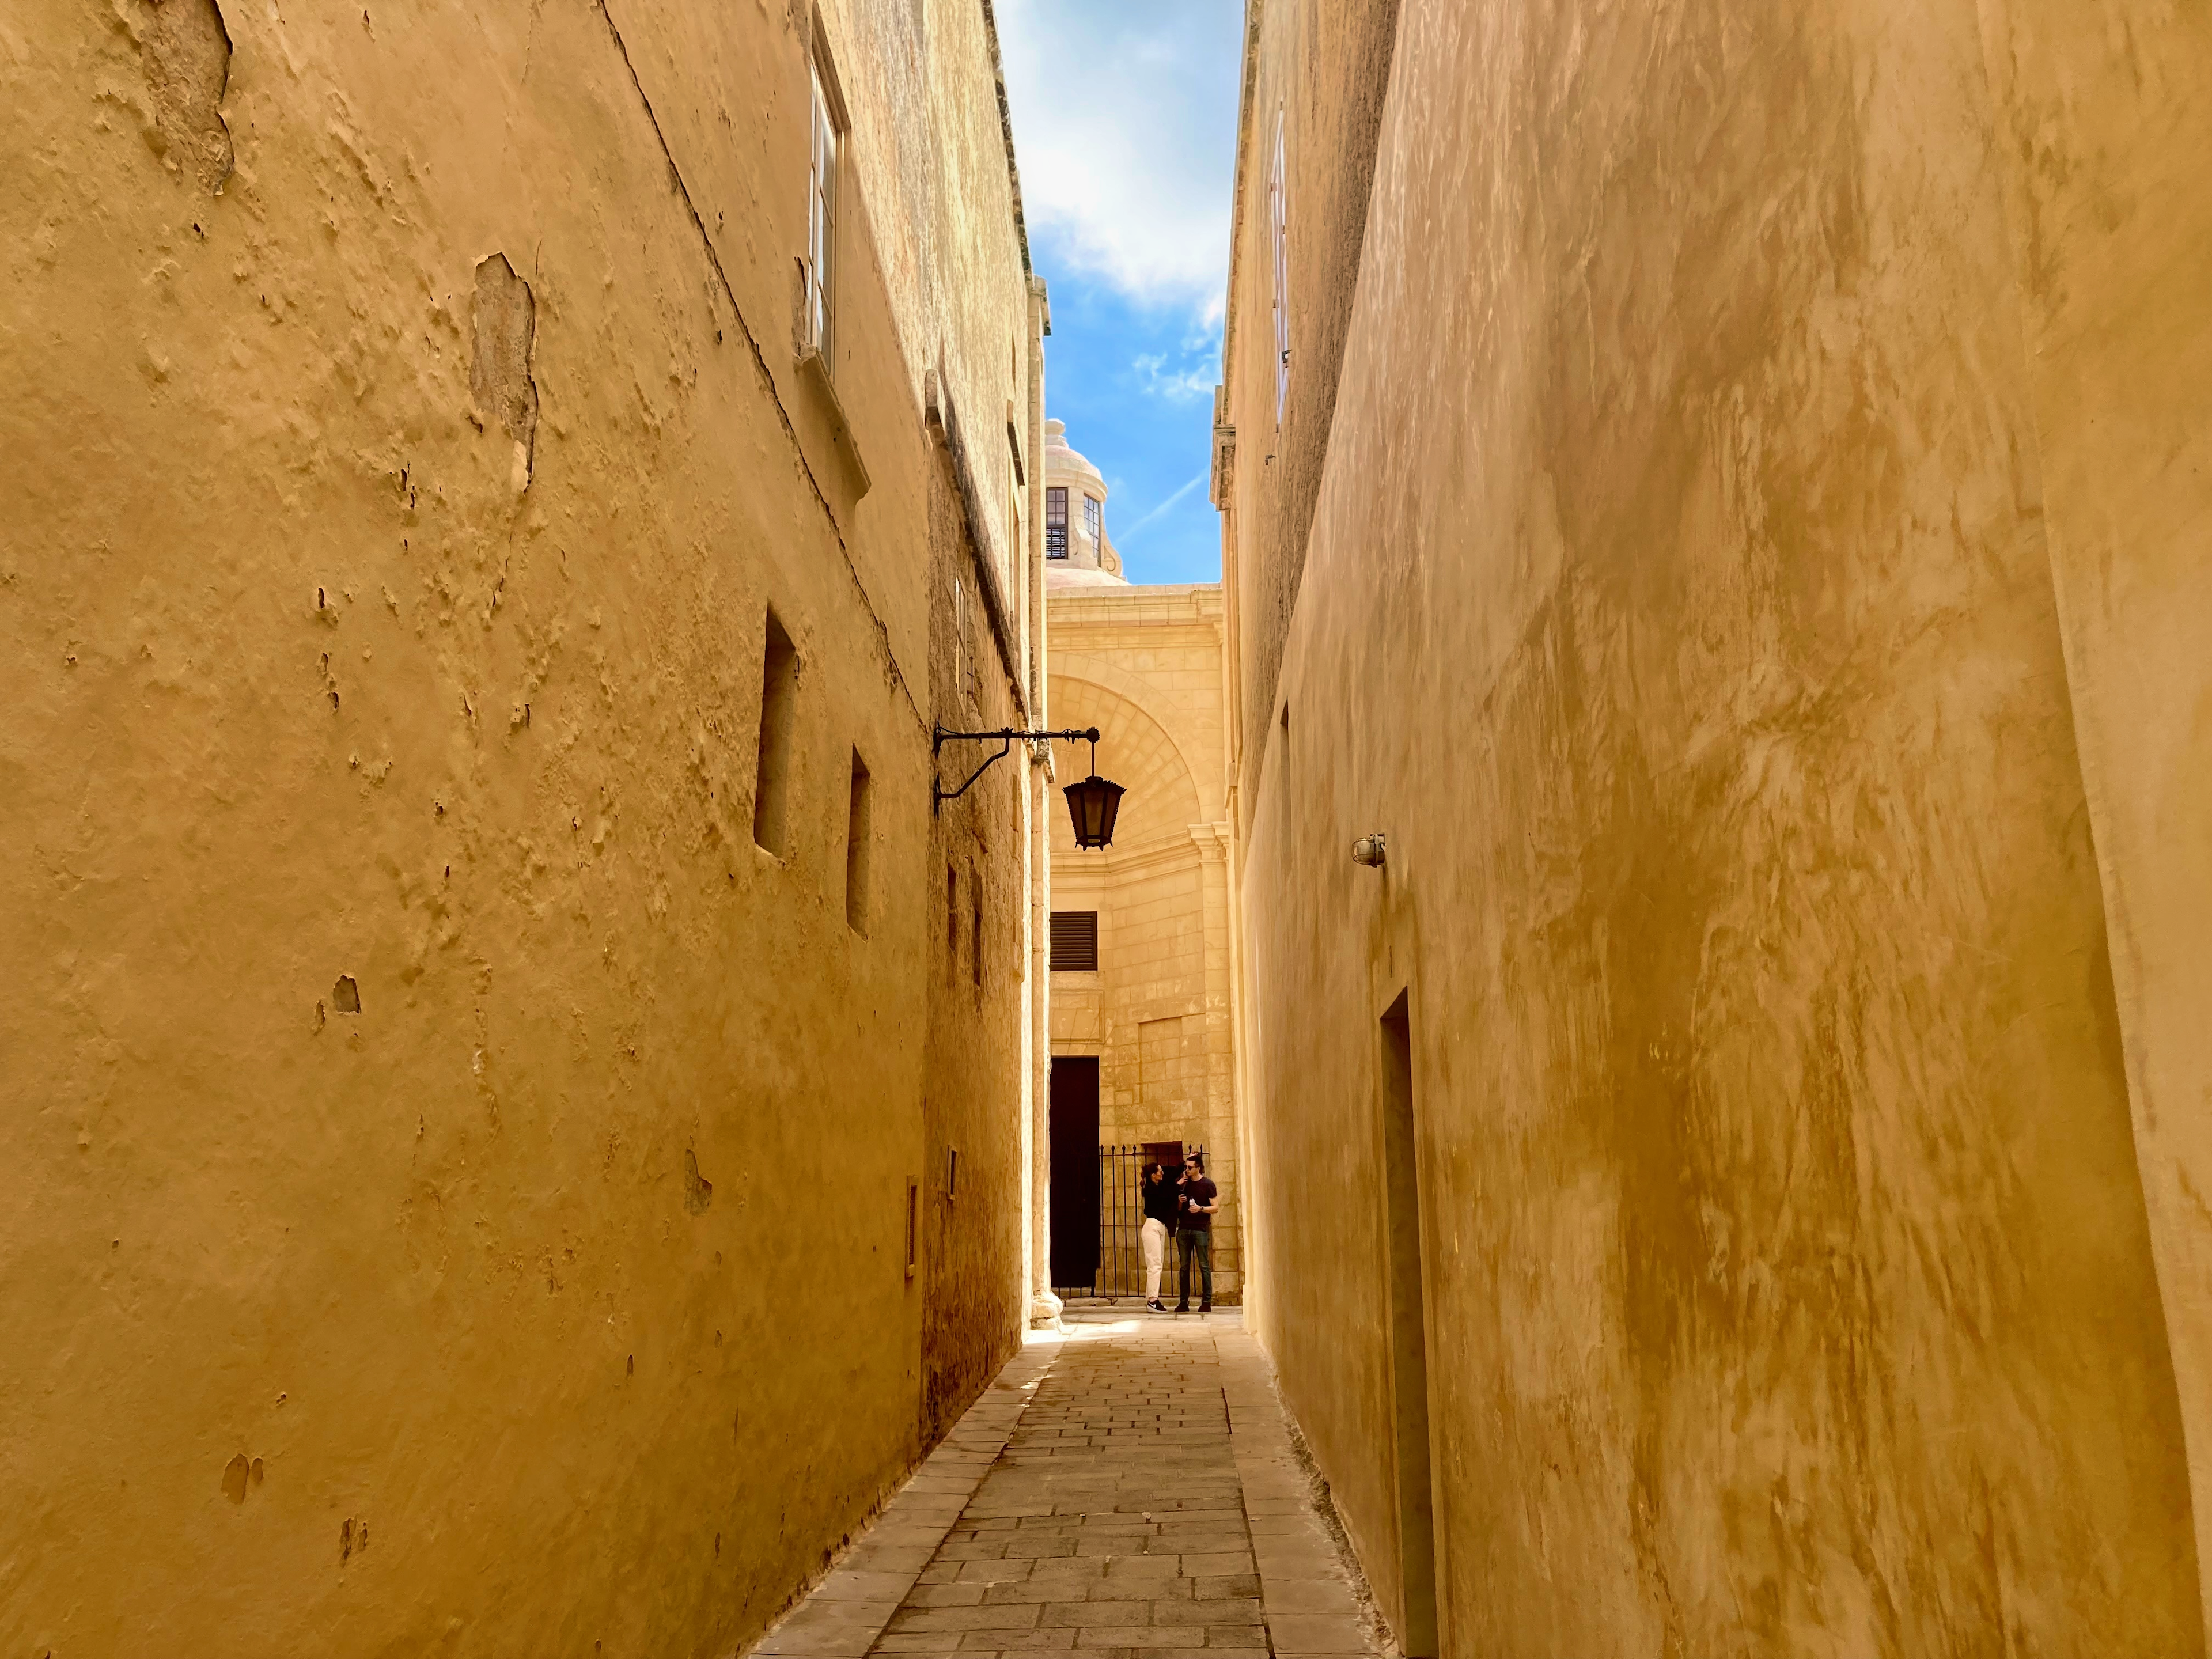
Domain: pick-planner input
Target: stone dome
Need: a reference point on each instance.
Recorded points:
(1086, 564)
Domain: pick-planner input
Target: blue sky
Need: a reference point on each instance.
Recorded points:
(1125, 129)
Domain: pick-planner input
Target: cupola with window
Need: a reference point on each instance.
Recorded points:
(1077, 548)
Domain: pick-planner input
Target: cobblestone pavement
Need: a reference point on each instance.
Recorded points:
(1129, 1489)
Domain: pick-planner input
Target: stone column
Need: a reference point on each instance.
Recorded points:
(1037, 1129)
(1213, 841)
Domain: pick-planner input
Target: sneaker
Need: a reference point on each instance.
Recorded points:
(1205, 1306)
(1182, 1307)
(1157, 1305)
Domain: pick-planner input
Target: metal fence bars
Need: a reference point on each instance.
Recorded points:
(1121, 1219)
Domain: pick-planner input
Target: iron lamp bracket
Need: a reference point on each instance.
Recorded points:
(1005, 737)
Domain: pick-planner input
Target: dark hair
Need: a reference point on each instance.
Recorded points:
(1196, 1160)
(1159, 1169)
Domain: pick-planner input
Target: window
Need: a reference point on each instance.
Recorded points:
(1056, 523)
(1278, 215)
(779, 714)
(963, 663)
(822, 223)
(913, 1232)
(856, 849)
(1075, 941)
(1093, 525)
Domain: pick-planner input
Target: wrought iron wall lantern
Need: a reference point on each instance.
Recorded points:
(1092, 804)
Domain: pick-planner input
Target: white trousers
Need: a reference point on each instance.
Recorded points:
(1155, 1237)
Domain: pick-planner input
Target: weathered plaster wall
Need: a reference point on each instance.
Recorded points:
(1679, 603)
(452, 1163)
(2105, 124)
(1143, 664)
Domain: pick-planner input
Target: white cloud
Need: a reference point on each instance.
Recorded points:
(1125, 129)
(1181, 385)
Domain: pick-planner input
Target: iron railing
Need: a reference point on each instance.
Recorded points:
(1120, 1226)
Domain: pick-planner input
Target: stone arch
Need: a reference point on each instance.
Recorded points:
(1134, 750)
(1089, 671)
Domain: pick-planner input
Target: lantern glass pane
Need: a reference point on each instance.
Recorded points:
(1093, 806)
(1109, 808)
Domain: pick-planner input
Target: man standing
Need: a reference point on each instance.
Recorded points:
(1159, 1226)
(1195, 1205)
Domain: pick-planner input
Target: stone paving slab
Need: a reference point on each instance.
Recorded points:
(1129, 1489)
(844, 1615)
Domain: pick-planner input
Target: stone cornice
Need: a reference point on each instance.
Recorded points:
(1156, 851)
(1212, 839)
(1194, 843)
(1184, 605)
(1007, 136)
(1254, 12)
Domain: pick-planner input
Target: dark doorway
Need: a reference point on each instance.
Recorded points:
(1168, 1152)
(1416, 1623)
(1074, 1172)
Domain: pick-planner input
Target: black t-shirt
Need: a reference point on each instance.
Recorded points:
(1160, 1203)
(1200, 1191)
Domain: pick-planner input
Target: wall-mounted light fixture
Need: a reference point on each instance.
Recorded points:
(1092, 804)
(1367, 850)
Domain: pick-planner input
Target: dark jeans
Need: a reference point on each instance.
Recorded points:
(1198, 1242)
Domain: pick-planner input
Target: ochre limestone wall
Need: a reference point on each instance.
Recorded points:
(2104, 120)
(1766, 437)
(452, 1161)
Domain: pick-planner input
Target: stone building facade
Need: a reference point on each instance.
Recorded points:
(1143, 664)
(496, 1036)
(1722, 492)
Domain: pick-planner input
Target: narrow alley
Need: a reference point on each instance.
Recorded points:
(957, 828)
(1129, 1486)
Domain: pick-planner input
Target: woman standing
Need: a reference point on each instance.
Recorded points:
(1159, 1222)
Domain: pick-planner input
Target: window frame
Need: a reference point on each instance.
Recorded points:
(1055, 521)
(1094, 525)
(827, 131)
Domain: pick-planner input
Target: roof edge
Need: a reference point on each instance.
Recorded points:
(1254, 12)
(1006, 132)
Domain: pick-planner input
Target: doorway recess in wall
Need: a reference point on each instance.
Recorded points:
(1416, 1620)
(1074, 1155)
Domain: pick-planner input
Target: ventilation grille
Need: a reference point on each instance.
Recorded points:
(1075, 941)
